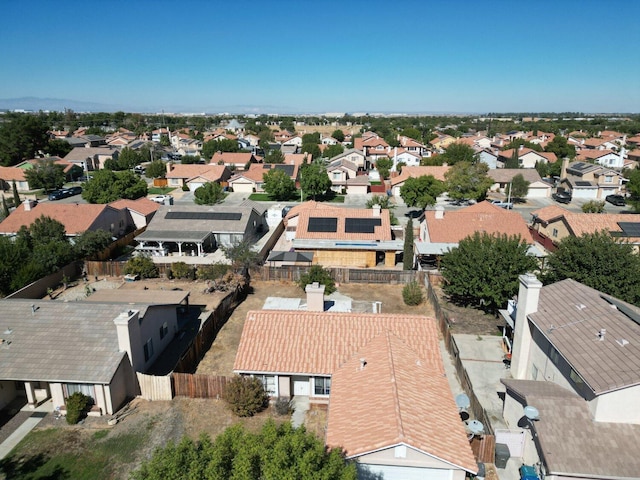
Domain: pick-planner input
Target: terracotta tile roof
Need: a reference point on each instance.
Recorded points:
(75, 217)
(295, 158)
(549, 213)
(317, 343)
(9, 174)
(482, 217)
(211, 172)
(410, 142)
(634, 139)
(310, 205)
(570, 315)
(143, 205)
(237, 158)
(550, 156)
(375, 142)
(381, 232)
(595, 142)
(581, 223)
(358, 143)
(593, 154)
(408, 401)
(436, 171)
(504, 175)
(255, 173)
(573, 444)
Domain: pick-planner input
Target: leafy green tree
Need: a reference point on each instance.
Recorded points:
(318, 274)
(209, 194)
(311, 138)
(407, 255)
(633, 187)
(164, 140)
(314, 179)
(383, 165)
(46, 175)
(593, 206)
(276, 451)
(518, 188)
(482, 271)
(108, 186)
(16, 197)
(278, 184)
(128, 159)
(516, 143)
(338, 135)
(221, 145)
(58, 147)
(599, 261)
(412, 293)
(156, 169)
(5, 208)
(245, 396)
(333, 150)
(242, 255)
(45, 229)
(413, 133)
(421, 191)
(513, 161)
(142, 266)
(274, 156)
(385, 204)
(459, 152)
(190, 159)
(312, 149)
(92, 242)
(561, 147)
(13, 256)
(21, 137)
(468, 181)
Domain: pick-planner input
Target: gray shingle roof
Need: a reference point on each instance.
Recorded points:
(570, 315)
(72, 342)
(571, 442)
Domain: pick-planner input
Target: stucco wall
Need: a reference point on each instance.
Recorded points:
(620, 406)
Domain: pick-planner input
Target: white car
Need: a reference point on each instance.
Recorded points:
(162, 199)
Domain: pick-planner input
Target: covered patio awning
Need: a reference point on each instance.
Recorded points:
(306, 257)
(173, 236)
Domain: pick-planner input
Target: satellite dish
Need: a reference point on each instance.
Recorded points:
(462, 401)
(531, 413)
(476, 427)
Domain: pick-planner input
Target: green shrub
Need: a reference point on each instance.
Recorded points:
(212, 272)
(77, 405)
(142, 266)
(185, 188)
(245, 396)
(283, 406)
(593, 206)
(412, 293)
(181, 270)
(318, 274)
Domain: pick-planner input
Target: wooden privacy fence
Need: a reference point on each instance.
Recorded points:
(155, 388)
(198, 386)
(445, 327)
(484, 448)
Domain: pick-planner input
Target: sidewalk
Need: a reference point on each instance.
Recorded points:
(29, 424)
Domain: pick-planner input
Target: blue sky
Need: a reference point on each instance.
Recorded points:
(326, 56)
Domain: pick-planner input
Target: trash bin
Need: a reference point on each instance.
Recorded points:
(528, 473)
(502, 455)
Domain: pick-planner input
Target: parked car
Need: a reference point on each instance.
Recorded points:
(57, 195)
(617, 200)
(139, 169)
(500, 203)
(562, 197)
(71, 191)
(162, 199)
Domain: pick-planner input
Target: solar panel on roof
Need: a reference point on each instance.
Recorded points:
(322, 224)
(203, 216)
(582, 183)
(630, 229)
(361, 225)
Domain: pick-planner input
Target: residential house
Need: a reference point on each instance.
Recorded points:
(195, 175)
(440, 231)
(340, 171)
(375, 147)
(251, 180)
(527, 158)
(504, 176)
(358, 185)
(84, 140)
(91, 158)
(489, 157)
(408, 426)
(235, 126)
(76, 218)
(539, 138)
(328, 140)
(597, 143)
(140, 211)
(253, 140)
(293, 142)
(414, 172)
(235, 160)
(11, 175)
(53, 349)
(586, 180)
(156, 135)
(354, 156)
(200, 229)
(441, 142)
(343, 236)
(409, 159)
(575, 359)
(552, 224)
(604, 158)
(413, 146)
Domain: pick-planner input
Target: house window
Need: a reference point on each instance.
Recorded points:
(268, 382)
(84, 388)
(322, 386)
(336, 175)
(575, 378)
(164, 329)
(608, 179)
(554, 233)
(554, 356)
(148, 350)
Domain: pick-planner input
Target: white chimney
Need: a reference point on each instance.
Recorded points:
(28, 204)
(376, 210)
(128, 331)
(439, 212)
(521, 147)
(528, 296)
(315, 297)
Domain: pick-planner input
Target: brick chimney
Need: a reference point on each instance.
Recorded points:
(528, 296)
(315, 297)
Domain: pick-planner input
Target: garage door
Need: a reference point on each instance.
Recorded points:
(388, 472)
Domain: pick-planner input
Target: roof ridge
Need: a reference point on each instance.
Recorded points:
(394, 386)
